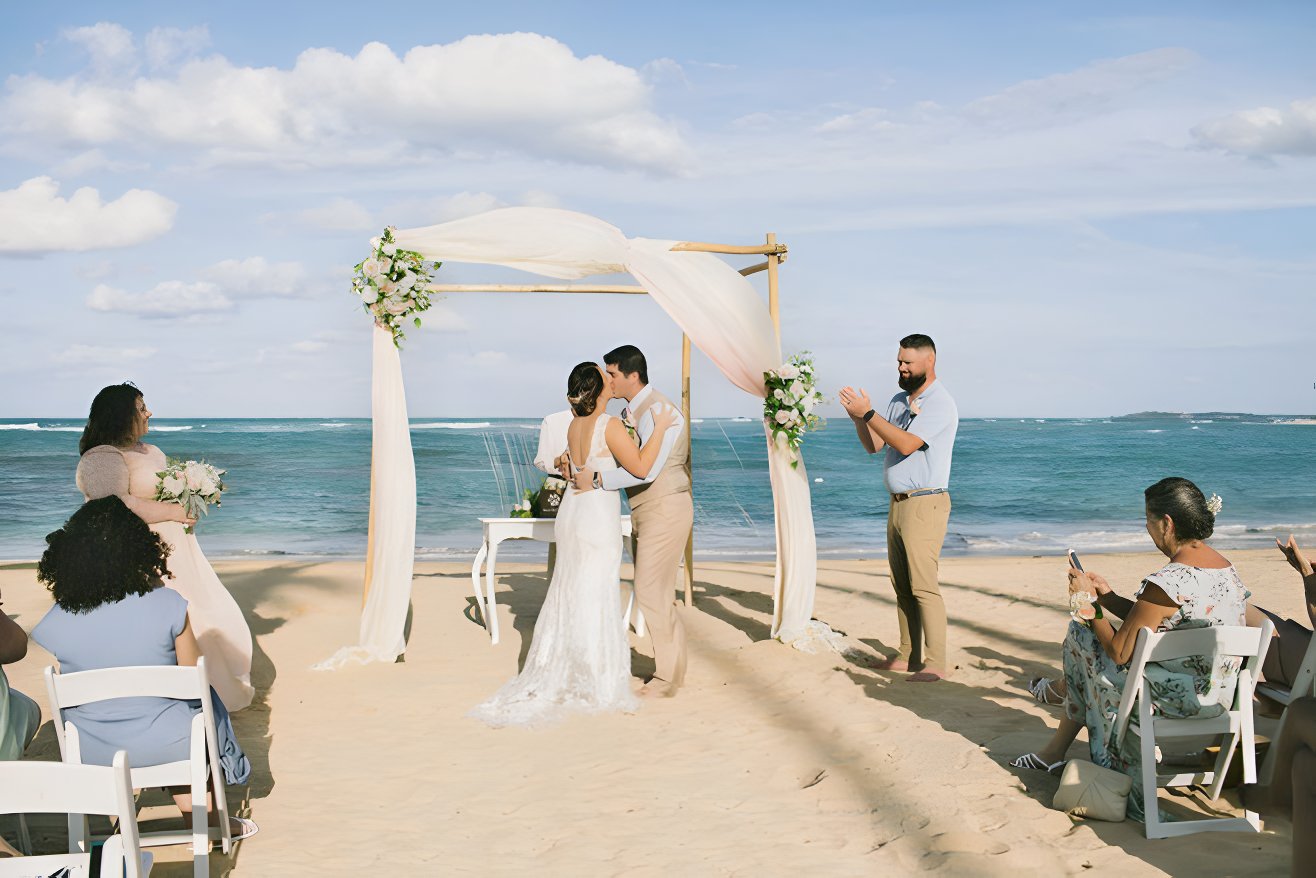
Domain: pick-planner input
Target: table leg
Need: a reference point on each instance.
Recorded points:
(489, 586)
(475, 583)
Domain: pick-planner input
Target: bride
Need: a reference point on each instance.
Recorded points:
(579, 659)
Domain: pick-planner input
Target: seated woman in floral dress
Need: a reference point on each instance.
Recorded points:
(1197, 588)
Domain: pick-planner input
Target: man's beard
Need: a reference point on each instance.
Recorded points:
(912, 383)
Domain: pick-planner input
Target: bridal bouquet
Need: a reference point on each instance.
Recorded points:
(392, 284)
(788, 407)
(193, 484)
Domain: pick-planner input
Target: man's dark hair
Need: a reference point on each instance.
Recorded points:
(918, 340)
(113, 415)
(628, 361)
(1185, 504)
(102, 554)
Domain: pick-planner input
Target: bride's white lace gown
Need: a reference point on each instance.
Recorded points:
(579, 659)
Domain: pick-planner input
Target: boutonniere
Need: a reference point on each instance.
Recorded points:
(630, 425)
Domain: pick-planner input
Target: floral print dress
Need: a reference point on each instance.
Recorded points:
(1188, 687)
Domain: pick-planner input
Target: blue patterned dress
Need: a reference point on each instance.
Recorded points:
(1188, 687)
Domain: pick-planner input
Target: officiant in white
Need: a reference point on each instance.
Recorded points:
(662, 512)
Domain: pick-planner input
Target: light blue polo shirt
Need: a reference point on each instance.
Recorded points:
(936, 423)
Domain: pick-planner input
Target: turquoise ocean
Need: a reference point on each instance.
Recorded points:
(1018, 486)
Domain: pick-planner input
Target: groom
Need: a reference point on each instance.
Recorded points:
(661, 514)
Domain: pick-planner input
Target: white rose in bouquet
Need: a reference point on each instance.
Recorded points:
(388, 249)
(787, 399)
(388, 288)
(173, 484)
(783, 416)
(195, 474)
(779, 393)
(369, 294)
(372, 268)
(788, 372)
(396, 305)
(797, 389)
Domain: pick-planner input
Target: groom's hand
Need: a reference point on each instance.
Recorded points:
(584, 480)
(563, 464)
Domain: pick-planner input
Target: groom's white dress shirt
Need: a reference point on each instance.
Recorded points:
(618, 479)
(552, 440)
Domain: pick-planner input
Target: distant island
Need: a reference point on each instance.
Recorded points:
(1214, 416)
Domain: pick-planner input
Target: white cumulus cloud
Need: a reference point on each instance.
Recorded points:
(338, 215)
(169, 298)
(166, 45)
(481, 95)
(34, 218)
(1265, 131)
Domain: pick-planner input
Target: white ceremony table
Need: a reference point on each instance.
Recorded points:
(496, 530)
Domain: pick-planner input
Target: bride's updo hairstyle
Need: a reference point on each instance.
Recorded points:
(112, 418)
(583, 388)
(1185, 504)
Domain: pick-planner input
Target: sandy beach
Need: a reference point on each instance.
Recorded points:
(770, 761)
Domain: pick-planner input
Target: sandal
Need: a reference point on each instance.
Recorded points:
(1041, 688)
(246, 828)
(1036, 763)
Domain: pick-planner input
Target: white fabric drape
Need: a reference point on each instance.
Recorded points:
(391, 549)
(712, 303)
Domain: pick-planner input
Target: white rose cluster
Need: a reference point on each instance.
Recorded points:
(393, 284)
(789, 404)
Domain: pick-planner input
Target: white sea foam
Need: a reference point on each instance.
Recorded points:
(19, 427)
(331, 424)
(452, 425)
(1153, 431)
(171, 429)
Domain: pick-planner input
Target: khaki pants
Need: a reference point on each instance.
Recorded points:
(915, 530)
(661, 527)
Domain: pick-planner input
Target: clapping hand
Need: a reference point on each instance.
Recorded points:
(856, 402)
(1293, 554)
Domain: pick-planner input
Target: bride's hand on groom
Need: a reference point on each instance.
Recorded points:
(663, 418)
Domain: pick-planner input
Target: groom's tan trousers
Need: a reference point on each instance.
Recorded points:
(661, 527)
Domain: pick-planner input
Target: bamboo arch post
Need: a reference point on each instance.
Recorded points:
(775, 253)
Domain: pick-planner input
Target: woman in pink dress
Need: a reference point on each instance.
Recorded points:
(116, 461)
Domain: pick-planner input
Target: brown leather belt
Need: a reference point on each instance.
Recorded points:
(924, 492)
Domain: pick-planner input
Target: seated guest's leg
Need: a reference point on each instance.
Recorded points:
(1303, 781)
(1299, 733)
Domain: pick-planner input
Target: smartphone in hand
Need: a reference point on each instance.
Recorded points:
(1074, 562)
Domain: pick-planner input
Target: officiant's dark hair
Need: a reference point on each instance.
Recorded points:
(583, 388)
(918, 340)
(628, 359)
(113, 414)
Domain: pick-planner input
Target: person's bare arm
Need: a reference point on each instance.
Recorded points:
(13, 639)
(102, 472)
(186, 647)
(1110, 602)
(638, 461)
(881, 431)
(1151, 609)
(1298, 560)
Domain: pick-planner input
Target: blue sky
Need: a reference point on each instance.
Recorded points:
(1092, 210)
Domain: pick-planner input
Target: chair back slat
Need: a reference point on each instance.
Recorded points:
(1236, 640)
(159, 681)
(57, 788)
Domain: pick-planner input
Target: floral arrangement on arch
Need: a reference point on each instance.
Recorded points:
(788, 407)
(393, 283)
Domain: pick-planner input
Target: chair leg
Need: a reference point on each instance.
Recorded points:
(1150, 808)
(1228, 744)
(24, 837)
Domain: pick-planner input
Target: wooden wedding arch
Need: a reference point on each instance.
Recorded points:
(775, 254)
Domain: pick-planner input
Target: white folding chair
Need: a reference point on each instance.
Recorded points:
(1235, 724)
(1304, 684)
(76, 790)
(87, 687)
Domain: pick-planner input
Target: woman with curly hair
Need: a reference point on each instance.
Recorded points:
(105, 568)
(116, 462)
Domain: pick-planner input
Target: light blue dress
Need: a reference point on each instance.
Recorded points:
(138, 630)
